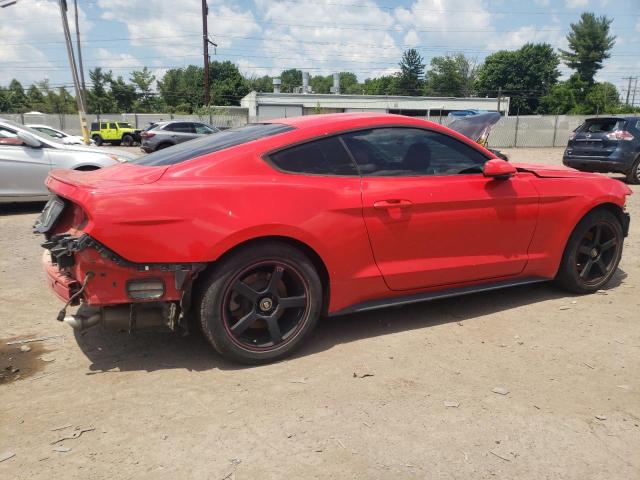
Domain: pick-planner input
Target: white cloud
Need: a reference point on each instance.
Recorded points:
(411, 39)
(323, 37)
(638, 26)
(23, 52)
(173, 29)
(542, 3)
(577, 3)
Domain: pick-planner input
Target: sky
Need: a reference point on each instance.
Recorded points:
(263, 37)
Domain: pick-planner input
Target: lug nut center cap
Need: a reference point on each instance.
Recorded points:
(266, 304)
(594, 252)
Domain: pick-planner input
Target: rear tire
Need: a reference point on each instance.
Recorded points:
(97, 139)
(260, 303)
(633, 176)
(127, 140)
(592, 254)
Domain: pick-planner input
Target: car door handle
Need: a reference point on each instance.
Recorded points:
(391, 203)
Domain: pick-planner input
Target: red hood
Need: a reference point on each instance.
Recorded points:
(122, 174)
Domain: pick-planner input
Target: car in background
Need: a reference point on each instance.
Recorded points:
(27, 156)
(115, 133)
(606, 144)
(257, 231)
(165, 134)
(63, 136)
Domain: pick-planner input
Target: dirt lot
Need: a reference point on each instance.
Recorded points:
(163, 406)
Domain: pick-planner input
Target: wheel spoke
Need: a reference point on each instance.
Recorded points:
(276, 276)
(245, 322)
(246, 291)
(602, 266)
(608, 244)
(587, 268)
(597, 234)
(584, 249)
(293, 302)
(274, 330)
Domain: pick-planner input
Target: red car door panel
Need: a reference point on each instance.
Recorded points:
(439, 230)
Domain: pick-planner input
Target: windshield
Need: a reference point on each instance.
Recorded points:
(212, 143)
(124, 125)
(39, 135)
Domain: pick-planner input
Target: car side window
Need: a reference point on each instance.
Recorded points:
(113, 126)
(202, 129)
(182, 127)
(9, 138)
(319, 157)
(103, 126)
(402, 151)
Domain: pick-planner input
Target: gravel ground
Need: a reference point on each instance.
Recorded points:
(159, 406)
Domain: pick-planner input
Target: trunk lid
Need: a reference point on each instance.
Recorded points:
(118, 175)
(591, 139)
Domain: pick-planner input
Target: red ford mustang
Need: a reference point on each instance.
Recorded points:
(259, 230)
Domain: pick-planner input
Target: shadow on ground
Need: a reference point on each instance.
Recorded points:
(157, 351)
(20, 208)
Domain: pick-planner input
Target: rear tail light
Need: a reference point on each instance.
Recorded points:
(620, 135)
(147, 134)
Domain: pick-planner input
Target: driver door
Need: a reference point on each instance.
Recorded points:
(23, 169)
(433, 219)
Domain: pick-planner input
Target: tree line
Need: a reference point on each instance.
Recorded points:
(528, 75)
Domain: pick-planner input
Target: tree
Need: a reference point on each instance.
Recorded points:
(451, 76)
(260, 84)
(385, 85)
(36, 99)
(99, 99)
(524, 75)
(16, 97)
(124, 95)
(410, 77)
(228, 86)
(321, 83)
(589, 45)
(290, 79)
(349, 83)
(143, 81)
(602, 97)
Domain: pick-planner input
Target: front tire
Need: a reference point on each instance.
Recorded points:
(97, 139)
(592, 254)
(260, 303)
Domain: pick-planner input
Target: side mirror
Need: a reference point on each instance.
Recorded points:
(498, 169)
(59, 135)
(29, 140)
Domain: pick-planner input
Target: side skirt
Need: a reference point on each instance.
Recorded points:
(435, 295)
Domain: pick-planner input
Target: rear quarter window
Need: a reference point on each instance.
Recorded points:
(318, 157)
(212, 143)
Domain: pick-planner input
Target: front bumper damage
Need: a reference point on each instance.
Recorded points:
(113, 291)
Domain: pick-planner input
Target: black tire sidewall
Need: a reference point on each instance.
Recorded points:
(98, 140)
(568, 277)
(633, 176)
(127, 140)
(212, 290)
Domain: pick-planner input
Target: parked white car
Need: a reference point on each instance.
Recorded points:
(27, 156)
(59, 134)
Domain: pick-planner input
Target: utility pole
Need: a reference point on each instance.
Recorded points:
(635, 87)
(84, 86)
(628, 88)
(205, 47)
(74, 72)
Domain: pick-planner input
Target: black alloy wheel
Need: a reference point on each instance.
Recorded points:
(259, 303)
(264, 305)
(592, 254)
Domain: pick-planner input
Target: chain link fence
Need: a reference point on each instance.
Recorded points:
(509, 132)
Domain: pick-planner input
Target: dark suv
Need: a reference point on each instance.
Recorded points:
(606, 144)
(165, 134)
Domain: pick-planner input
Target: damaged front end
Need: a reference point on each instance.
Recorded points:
(111, 291)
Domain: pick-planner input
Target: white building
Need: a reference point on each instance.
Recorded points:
(265, 106)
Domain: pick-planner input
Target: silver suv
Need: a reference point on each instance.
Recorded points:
(165, 134)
